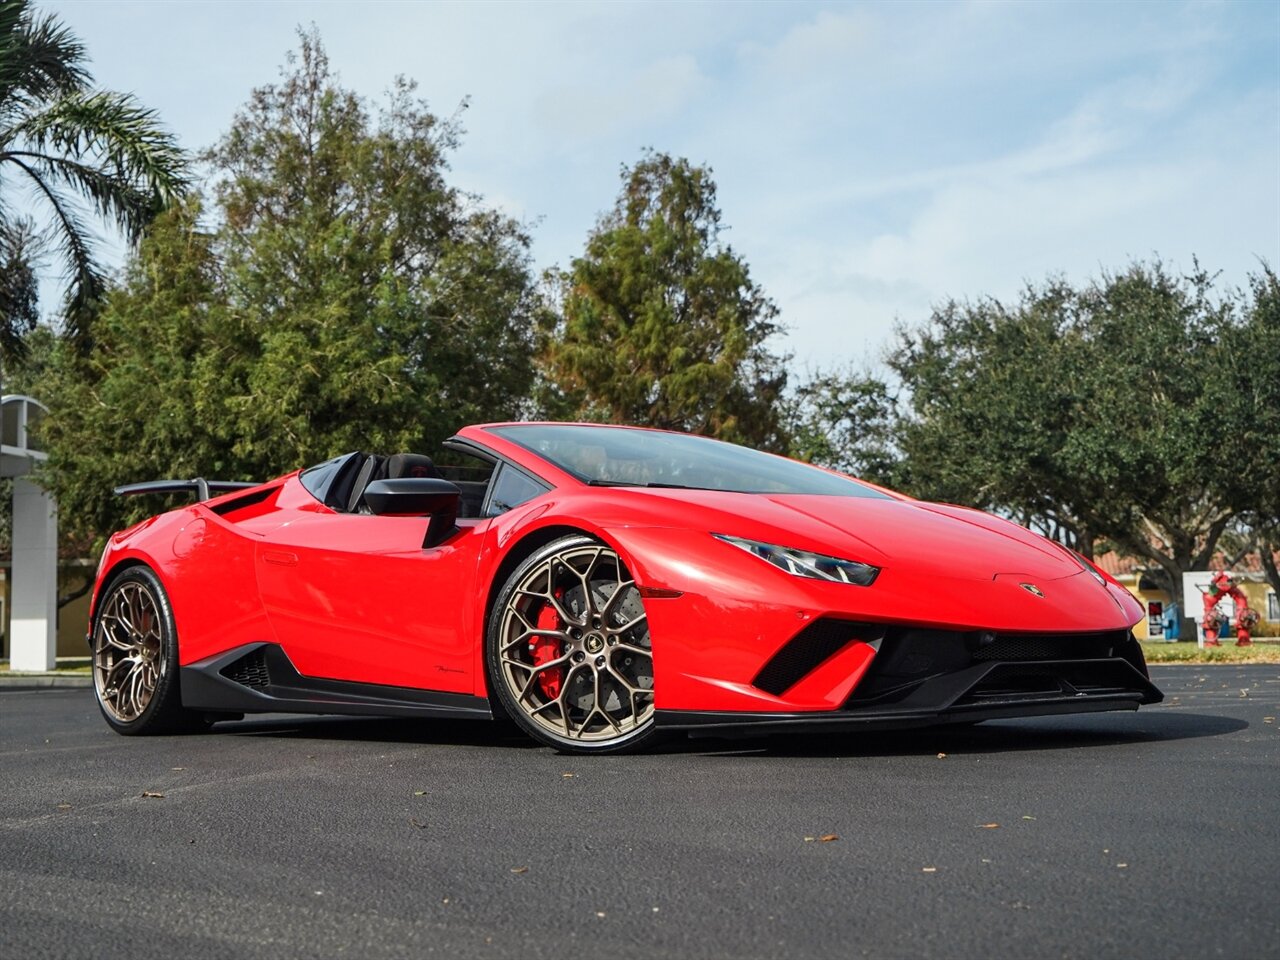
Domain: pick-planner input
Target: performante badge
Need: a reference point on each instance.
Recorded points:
(1031, 588)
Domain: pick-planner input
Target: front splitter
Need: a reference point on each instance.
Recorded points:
(726, 724)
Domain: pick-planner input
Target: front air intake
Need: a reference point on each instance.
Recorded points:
(808, 649)
(910, 657)
(1050, 646)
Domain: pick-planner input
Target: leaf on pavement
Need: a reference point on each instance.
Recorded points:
(419, 793)
(519, 869)
(828, 837)
(414, 821)
(1025, 817)
(989, 826)
(942, 756)
(928, 869)
(64, 806)
(152, 794)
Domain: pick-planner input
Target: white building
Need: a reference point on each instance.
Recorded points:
(34, 596)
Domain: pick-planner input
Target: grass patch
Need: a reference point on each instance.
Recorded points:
(1188, 652)
(67, 667)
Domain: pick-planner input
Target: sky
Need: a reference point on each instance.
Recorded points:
(872, 160)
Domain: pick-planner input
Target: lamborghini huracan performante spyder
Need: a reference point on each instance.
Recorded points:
(598, 586)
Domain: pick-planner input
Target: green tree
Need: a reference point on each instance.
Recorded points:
(19, 285)
(345, 297)
(660, 323)
(380, 305)
(978, 409)
(1094, 414)
(1148, 427)
(78, 150)
(1250, 409)
(847, 421)
(150, 401)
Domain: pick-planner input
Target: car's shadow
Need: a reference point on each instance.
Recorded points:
(1041, 733)
(477, 733)
(999, 736)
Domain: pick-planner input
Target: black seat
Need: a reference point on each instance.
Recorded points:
(410, 465)
(394, 467)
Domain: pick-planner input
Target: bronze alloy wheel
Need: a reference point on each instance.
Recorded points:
(129, 651)
(571, 650)
(135, 658)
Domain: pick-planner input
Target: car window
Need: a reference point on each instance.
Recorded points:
(512, 488)
(610, 456)
(330, 482)
(471, 473)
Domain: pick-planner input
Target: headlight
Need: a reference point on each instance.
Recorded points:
(1089, 567)
(802, 563)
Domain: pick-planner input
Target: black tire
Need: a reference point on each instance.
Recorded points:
(596, 654)
(135, 658)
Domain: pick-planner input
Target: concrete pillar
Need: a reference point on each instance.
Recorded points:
(33, 612)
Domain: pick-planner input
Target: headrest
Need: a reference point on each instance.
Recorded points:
(410, 465)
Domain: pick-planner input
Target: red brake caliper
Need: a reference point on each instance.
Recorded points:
(547, 648)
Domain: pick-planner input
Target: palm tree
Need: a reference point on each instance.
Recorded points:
(80, 153)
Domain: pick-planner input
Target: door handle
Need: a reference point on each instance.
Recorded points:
(281, 557)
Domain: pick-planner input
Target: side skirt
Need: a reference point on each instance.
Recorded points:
(260, 678)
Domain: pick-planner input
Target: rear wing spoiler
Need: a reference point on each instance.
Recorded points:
(201, 487)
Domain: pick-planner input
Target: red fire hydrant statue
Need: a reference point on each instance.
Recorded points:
(1246, 618)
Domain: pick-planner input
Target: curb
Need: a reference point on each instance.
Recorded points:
(1213, 663)
(43, 681)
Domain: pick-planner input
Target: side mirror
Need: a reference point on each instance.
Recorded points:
(417, 497)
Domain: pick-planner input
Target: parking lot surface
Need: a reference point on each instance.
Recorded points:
(1114, 835)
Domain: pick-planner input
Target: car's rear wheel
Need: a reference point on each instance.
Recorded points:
(569, 653)
(135, 657)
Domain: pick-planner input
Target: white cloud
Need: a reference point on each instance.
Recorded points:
(871, 159)
(653, 93)
(827, 41)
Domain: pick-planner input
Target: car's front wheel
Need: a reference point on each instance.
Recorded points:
(135, 657)
(569, 653)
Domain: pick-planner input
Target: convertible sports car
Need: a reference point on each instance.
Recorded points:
(598, 585)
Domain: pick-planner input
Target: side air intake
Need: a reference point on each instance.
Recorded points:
(250, 670)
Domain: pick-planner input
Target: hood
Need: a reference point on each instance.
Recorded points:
(937, 538)
(926, 538)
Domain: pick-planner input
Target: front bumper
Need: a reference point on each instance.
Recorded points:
(743, 637)
(984, 691)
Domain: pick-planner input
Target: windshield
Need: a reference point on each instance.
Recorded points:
(621, 456)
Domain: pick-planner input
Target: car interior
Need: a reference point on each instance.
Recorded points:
(487, 489)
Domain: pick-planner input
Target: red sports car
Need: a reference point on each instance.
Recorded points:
(599, 586)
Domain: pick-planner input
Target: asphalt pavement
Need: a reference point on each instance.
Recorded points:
(1114, 835)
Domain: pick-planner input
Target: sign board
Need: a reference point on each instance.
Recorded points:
(1194, 586)
(1155, 620)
